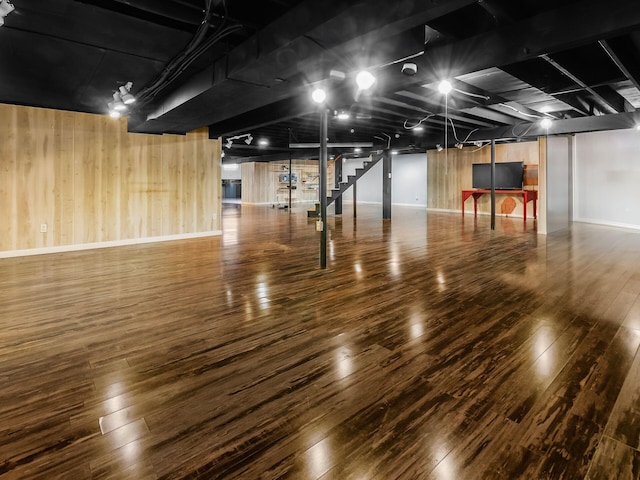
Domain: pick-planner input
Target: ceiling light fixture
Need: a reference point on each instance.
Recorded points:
(394, 152)
(638, 127)
(263, 142)
(365, 80)
(545, 123)
(343, 116)
(125, 94)
(248, 140)
(439, 147)
(445, 87)
(357, 150)
(115, 114)
(6, 7)
(319, 95)
(418, 128)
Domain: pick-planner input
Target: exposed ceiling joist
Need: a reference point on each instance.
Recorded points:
(628, 65)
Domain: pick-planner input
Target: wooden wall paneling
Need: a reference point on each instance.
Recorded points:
(87, 170)
(63, 189)
(189, 186)
(25, 181)
(156, 188)
(8, 177)
(170, 177)
(202, 197)
(450, 171)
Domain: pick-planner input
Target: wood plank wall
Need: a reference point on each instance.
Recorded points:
(91, 181)
(260, 184)
(449, 172)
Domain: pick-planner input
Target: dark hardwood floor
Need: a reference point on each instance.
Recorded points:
(432, 348)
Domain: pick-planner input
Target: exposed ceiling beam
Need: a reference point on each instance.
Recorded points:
(605, 96)
(554, 30)
(498, 13)
(623, 60)
(619, 121)
(570, 25)
(291, 45)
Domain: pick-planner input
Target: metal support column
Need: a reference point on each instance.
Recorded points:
(386, 184)
(290, 182)
(355, 195)
(337, 176)
(323, 188)
(493, 184)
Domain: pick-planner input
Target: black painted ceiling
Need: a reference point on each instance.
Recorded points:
(240, 66)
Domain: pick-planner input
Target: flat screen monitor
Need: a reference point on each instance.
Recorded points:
(509, 175)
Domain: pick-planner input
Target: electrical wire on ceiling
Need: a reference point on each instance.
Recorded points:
(196, 47)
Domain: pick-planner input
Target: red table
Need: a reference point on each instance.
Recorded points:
(527, 195)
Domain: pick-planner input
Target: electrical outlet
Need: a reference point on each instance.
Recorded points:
(43, 228)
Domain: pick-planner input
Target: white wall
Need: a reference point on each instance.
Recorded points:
(607, 178)
(558, 183)
(231, 173)
(408, 180)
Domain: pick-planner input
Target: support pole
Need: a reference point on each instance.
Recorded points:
(386, 184)
(493, 184)
(355, 195)
(337, 178)
(290, 181)
(323, 188)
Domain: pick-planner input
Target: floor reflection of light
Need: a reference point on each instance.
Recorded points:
(544, 365)
(344, 364)
(446, 469)
(331, 251)
(131, 451)
(319, 458)
(262, 292)
(417, 330)
(114, 404)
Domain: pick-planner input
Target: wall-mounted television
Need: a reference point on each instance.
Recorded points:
(509, 175)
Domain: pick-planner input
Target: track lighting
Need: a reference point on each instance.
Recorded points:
(248, 140)
(125, 94)
(459, 146)
(439, 147)
(6, 7)
(121, 98)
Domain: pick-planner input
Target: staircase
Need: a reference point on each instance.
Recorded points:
(344, 186)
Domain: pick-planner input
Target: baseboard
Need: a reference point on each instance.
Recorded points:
(607, 224)
(96, 245)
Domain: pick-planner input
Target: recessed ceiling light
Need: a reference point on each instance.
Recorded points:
(343, 116)
(263, 142)
(394, 152)
(419, 128)
(357, 150)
